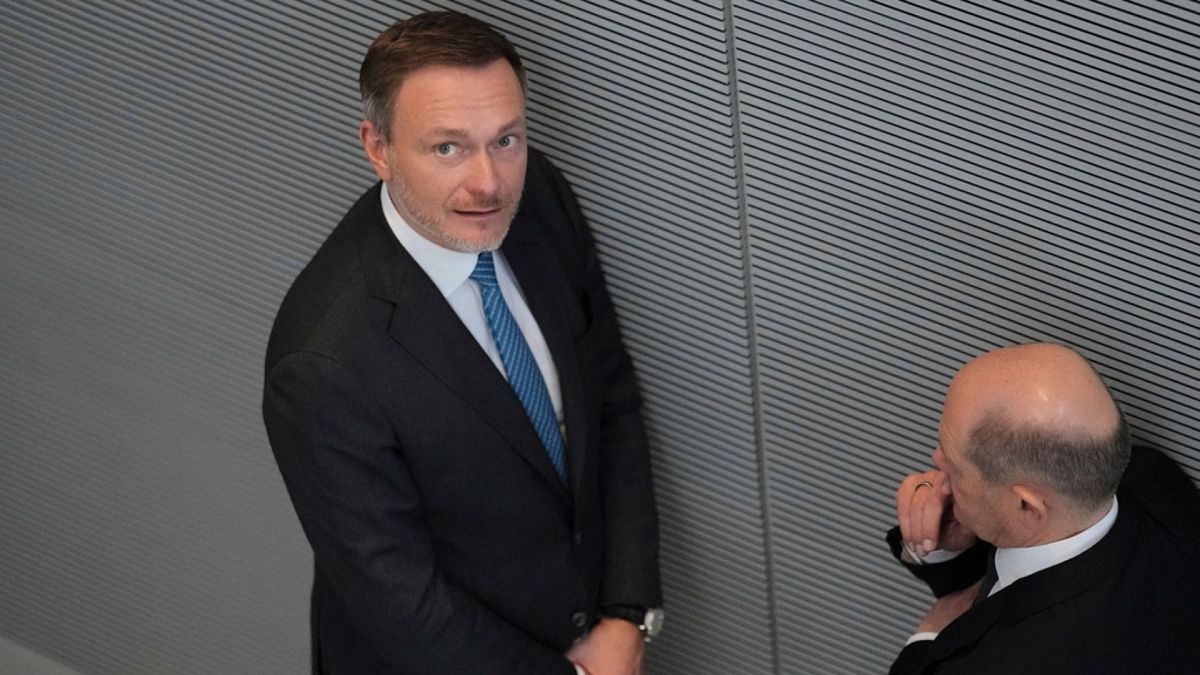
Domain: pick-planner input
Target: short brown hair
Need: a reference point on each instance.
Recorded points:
(444, 38)
(1083, 469)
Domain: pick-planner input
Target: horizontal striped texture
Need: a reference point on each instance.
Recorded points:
(926, 181)
(809, 213)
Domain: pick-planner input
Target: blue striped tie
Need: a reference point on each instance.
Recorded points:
(523, 373)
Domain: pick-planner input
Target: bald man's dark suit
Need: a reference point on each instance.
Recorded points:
(444, 541)
(1130, 604)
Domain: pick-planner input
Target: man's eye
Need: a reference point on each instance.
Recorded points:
(444, 149)
(508, 141)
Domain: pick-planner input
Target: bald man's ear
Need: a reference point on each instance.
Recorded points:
(1034, 507)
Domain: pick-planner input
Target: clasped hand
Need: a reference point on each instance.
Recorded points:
(613, 647)
(925, 511)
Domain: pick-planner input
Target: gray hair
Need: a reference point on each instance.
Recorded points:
(1084, 469)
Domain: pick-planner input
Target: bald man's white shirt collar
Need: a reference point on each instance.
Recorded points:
(1013, 564)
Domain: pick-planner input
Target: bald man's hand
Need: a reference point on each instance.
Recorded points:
(948, 608)
(924, 509)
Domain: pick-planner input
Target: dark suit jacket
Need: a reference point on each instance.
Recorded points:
(1128, 605)
(444, 541)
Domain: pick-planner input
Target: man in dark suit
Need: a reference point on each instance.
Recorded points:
(448, 398)
(1051, 548)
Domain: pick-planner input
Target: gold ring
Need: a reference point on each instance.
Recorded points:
(922, 484)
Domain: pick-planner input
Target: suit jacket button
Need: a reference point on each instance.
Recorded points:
(578, 538)
(579, 619)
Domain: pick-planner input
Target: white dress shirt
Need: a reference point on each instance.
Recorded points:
(1017, 563)
(450, 271)
(1013, 564)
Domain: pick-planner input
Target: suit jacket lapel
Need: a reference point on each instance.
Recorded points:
(1047, 588)
(424, 324)
(966, 630)
(543, 282)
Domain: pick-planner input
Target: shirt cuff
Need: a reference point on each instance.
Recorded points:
(934, 557)
(918, 637)
(579, 669)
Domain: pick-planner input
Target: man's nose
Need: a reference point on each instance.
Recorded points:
(483, 179)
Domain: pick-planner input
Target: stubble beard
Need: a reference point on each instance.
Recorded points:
(432, 224)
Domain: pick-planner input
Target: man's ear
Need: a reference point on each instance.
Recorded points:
(375, 145)
(1034, 508)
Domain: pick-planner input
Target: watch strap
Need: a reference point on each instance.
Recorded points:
(631, 613)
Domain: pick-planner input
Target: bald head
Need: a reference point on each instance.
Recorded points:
(1040, 413)
(1043, 386)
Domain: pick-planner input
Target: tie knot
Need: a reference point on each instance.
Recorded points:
(484, 273)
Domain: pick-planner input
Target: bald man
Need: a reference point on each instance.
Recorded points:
(1051, 547)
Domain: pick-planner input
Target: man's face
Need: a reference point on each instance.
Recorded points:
(978, 506)
(455, 166)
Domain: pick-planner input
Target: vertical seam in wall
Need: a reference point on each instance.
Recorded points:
(752, 330)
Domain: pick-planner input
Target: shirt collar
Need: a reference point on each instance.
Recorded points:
(447, 269)
(1016, 563)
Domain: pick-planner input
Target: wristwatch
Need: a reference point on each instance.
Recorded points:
(649, 620)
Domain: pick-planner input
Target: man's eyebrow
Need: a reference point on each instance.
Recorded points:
(447, 132)
(518, 121)
(456, 133)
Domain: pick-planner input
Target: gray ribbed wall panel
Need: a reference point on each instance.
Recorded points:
(925, 181)
(920, 181)
(620, 96)
(153, 210)
(169, 169)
